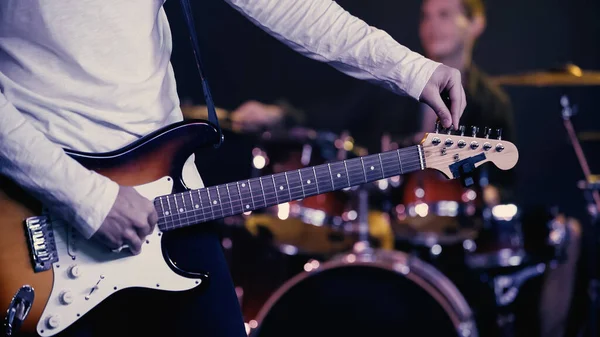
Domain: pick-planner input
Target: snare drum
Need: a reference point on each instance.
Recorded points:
(383, 293)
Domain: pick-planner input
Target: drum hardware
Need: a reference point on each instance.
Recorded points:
(506, 288)
(591, 193)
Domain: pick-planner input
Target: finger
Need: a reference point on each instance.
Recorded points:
(142, 226)
(133, 240)
(464, 105)
(152, 220)
(456, 101)
(441, 110)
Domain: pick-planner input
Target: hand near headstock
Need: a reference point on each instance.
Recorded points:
(457, 154)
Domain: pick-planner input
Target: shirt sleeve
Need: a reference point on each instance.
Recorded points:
(324, 31)
(66, 188)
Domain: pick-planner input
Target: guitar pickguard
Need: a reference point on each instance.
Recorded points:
(87, 272)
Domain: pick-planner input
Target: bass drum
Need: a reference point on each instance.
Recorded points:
(384, 293)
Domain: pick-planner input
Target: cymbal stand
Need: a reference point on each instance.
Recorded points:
(362, 246)
(592, 196)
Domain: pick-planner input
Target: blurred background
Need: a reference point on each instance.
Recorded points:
(244, 63)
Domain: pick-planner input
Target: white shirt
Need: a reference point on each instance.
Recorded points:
(96, 75)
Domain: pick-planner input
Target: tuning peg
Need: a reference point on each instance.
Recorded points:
(499, 132)
(487, 132)
(437, 126)
(474, 131)
(449, 130)
(462, 130)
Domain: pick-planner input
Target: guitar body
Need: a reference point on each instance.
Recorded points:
(82, 273)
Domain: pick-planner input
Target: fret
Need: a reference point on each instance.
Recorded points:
(275, 189)
(171, 211)
(225, 200)
(301, 184)
(356, 172)
(282, 188)
(236, 198)
(308, 181)
(331, 176)
(204, 209)
(257, 193)
(178, 210)
(205, 204)
(246, 196)
(339, 176)
(262, 188)
(324, 178)
(391, 165)
(400, 162)
(373, 168)
(316, 180)
(347, 174)
(269, 191)
(219, 201)
(198, 212)
(214, 203)
(188, 206)
(165, 214)
(287, 181)
(296, 189)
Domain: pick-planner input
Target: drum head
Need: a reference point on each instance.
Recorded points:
(366, 299)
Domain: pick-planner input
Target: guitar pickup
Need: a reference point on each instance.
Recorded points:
(42, 246)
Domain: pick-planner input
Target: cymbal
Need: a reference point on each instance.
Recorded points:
(569, 75)
(191, 111)
(589, 136)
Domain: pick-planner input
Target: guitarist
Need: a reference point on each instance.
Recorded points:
(95, 76)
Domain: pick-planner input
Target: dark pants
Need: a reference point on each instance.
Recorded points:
(210, 311)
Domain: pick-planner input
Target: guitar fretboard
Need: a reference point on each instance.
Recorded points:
(215, 202)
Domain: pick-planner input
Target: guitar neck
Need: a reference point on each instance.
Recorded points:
(200, 205)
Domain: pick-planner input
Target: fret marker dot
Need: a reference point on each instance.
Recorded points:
(214, 202)
(308, 181)
(197, 206)
(247, 206)
(372, 168)
(281, 188)
(181, 210)
(167, 213)
(339, 175)
(243, 185)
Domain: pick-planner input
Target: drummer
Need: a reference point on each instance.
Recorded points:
(448, 31)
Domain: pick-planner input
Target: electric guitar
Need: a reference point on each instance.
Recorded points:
(50, 277)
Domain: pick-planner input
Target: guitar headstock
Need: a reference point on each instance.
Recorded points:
(457, 153)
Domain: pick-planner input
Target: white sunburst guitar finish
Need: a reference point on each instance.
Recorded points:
(87, 274)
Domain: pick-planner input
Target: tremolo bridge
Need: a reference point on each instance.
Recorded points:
(41, 242)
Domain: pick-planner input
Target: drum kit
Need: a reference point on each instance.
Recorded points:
(417, 254)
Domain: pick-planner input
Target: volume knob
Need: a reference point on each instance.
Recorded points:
(74, 271)
(53, 321)
(66, 297)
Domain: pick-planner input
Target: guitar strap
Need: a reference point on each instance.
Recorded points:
(212, 115)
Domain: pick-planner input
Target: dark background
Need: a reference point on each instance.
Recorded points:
(243, 62)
